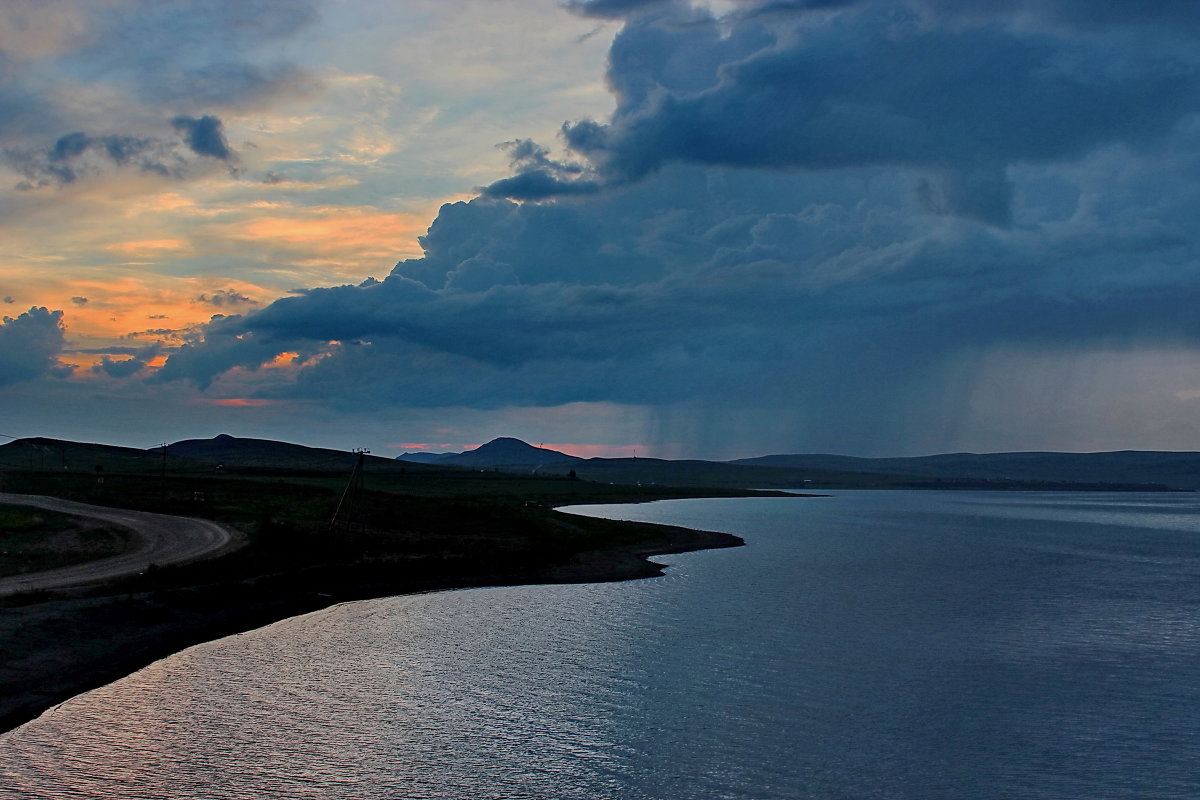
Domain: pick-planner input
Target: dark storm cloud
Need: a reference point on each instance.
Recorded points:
(223, 347)
(878, 86)
(691, 284)
(701, 284)
(819, 207)
(1084, 14)
(30, 344)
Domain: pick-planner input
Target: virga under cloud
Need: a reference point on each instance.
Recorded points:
(871, 226)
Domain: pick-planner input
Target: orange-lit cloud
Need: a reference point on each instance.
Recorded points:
(111, 307)
(80, 361)
(285, 360)
(122, 305)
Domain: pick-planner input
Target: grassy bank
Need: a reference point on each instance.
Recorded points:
(33, 540)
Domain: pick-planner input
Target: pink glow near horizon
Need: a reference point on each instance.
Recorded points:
(429, 446)
(598, 450)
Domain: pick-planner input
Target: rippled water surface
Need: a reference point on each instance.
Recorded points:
(869, 645)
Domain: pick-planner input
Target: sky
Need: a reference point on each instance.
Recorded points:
(615, 227)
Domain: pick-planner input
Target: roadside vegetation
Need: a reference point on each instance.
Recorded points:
(32, 540)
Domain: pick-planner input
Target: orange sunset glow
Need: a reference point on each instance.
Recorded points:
(358, 237)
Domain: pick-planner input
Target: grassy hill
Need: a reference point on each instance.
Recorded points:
(509, 466)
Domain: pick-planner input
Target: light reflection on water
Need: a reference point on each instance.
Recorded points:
(886, 644)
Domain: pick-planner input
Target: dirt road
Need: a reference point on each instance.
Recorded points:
(159, 539)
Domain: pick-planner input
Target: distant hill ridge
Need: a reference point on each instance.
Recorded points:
(1124, 470)
(1171, 468)
(504, 451)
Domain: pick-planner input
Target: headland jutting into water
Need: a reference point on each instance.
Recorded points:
(324, 529)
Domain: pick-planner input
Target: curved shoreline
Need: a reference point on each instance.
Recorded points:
(58, 649)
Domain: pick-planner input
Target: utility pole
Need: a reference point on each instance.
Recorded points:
(348, 517)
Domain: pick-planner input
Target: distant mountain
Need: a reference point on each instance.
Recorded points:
(502, 452)
(1174, 469)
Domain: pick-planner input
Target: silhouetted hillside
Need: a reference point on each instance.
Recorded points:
(237, 452)
(40, 453)
(512, 457)
(502, 452)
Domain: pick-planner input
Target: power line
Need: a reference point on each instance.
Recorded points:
(348, 515)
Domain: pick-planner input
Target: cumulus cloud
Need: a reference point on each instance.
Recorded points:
(30, 344)
(828, 209)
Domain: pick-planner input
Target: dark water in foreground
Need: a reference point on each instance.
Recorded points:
(870, 645)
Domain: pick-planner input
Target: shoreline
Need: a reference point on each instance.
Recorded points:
(58, 649)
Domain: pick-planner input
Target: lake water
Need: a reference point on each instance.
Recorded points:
(868, 645)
